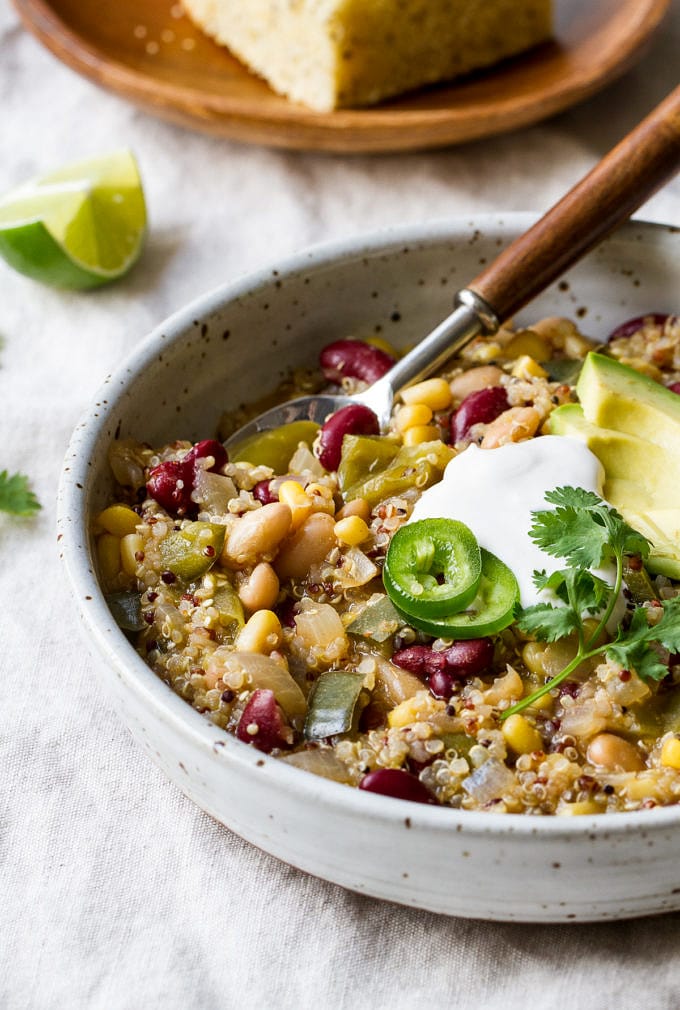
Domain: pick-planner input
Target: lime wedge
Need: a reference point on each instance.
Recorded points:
(78, 227)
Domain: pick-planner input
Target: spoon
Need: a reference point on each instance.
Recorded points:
(632, 171)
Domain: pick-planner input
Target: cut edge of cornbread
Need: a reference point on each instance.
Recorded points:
(330, 54)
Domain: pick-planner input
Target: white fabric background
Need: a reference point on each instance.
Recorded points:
(115, 891)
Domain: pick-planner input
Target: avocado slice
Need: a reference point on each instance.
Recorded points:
(650, 506)
(662, 527)
(627, 495)
(615, 396)
(624, 457)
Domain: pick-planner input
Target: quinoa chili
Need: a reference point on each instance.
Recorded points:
(253, 587)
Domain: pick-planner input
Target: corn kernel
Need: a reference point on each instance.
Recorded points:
(543, 705)
(581, 809)
(421, 433)
(352, 530)
(520, 736)
(483, 351)
(130, 546)
(434, 393)
(382, 345)
(641, 786)
(261, 633)
(670, 753)
(300, 504)
(528, 342)
(118, 520)
(413, 415)
(527, 367)
(108, 554)
(404, 714)
(577, 346)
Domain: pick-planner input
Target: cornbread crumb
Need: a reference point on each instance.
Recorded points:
(333, 53)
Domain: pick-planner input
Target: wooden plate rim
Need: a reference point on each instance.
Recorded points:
(382, 128)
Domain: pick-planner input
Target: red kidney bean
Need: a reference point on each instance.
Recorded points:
(473, 655)
(398, 784)
(631, 326)
(461, 659)
(442, 683)
(355, 419)
(674, 387)
(172, 482)
(480, 407)
(264, 492)
(208, 447)
(263, 712)
(356, 359)
(420, 659)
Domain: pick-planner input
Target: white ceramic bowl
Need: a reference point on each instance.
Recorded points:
(234, 344)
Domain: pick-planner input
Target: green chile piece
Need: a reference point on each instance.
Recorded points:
(127, 610)
(639, 584)
(190, 552)
(377, 621)
(334, 706)
(564, 370)
(274, 448)
(413, 466)
(227, 601)
(363, 455)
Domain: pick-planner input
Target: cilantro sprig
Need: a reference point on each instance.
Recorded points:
(15, 495)
(587, 533)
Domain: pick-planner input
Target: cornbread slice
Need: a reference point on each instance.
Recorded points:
(333, 53)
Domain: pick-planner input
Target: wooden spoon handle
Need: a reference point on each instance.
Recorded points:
(607, 196)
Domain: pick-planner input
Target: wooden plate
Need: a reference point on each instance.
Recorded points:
(149, 52)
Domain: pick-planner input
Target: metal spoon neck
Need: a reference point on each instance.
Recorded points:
(471, 316)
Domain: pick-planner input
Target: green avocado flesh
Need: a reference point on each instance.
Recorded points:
(632, 424)
(615, 396)
(651, 469)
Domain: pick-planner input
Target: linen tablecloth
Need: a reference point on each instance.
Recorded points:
(117, 893)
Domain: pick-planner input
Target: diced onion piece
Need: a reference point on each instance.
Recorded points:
(394, 684)
(125, 463)
(582, 721)
(319, 627)
(489, 782)
(304, 461)
(357, 569)
(259, 671)
(319, 762)
(213, 492)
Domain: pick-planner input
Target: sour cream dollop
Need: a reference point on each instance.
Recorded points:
(494, 492)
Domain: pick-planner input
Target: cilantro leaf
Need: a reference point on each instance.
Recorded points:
(638, 656)
(585, 532)
(633, 647)
(583, 529)
(583, 591)
(548, 623)
(573, 497)
(16, 496)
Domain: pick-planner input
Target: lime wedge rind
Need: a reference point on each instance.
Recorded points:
(79, 227)
(19, 248)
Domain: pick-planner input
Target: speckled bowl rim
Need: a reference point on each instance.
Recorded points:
(72, 526)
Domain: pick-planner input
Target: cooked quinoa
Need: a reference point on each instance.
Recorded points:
(253, 583)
